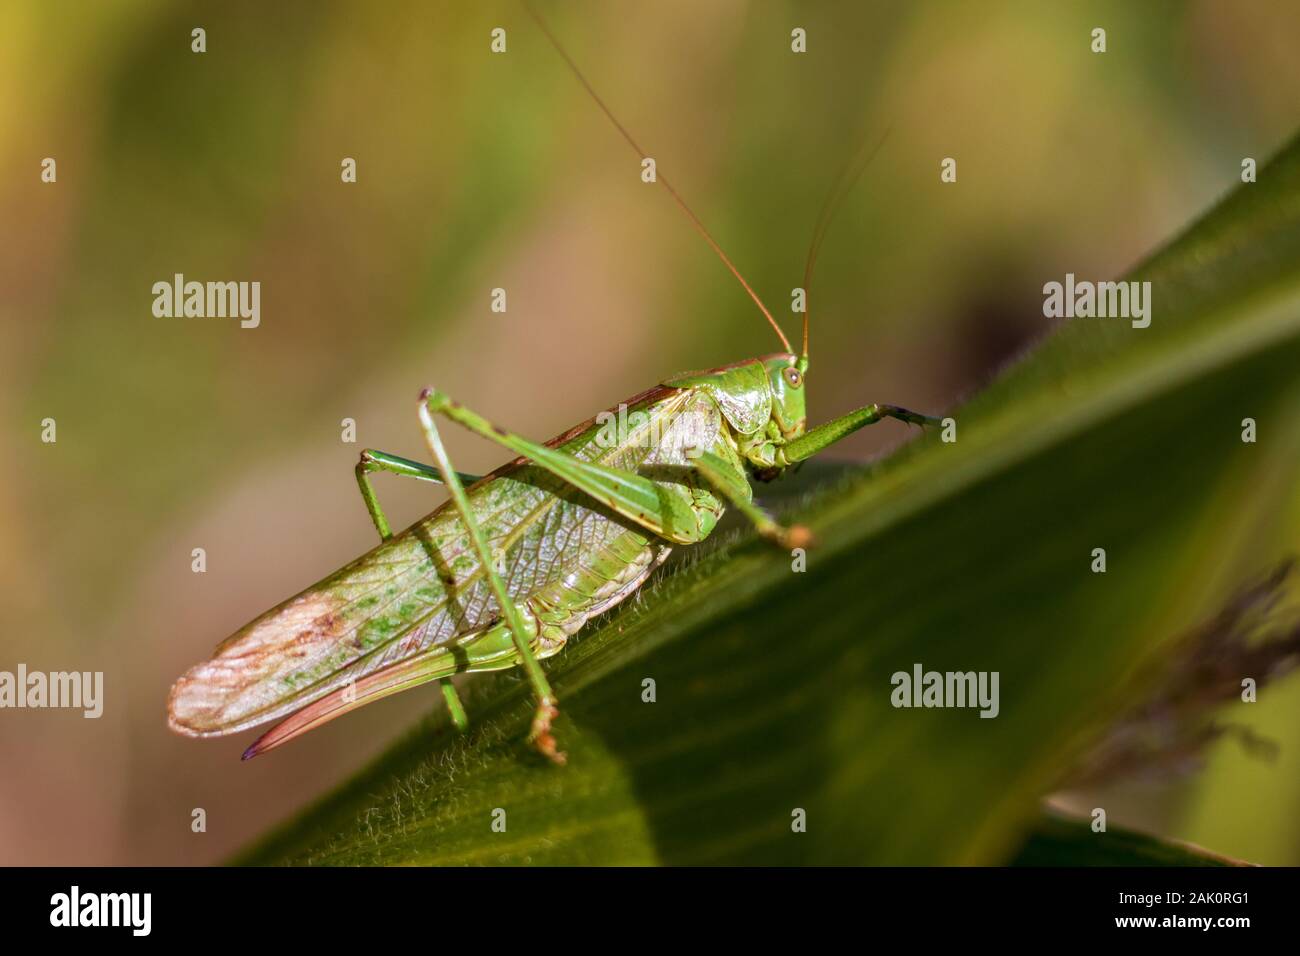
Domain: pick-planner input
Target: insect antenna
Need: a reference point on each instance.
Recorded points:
(839, 191)
(695, 220)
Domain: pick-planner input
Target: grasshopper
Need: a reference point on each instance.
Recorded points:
(517, 561)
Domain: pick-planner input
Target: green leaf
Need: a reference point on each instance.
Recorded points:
(1060, 840)
(773, 688)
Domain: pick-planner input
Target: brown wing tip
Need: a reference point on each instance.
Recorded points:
(180, 711)
(198, 706)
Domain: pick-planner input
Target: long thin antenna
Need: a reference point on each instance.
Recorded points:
(695, 220)
(839, 191)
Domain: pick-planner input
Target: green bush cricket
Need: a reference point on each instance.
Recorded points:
(517, 561)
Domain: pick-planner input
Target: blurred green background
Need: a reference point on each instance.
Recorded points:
(477, 171)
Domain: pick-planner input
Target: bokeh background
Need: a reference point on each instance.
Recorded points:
(477, 171)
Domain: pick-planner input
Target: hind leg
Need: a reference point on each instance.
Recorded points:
(540, 734)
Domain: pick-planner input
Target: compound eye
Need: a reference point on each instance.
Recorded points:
(792, 376)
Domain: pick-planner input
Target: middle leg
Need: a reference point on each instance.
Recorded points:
(372, 460)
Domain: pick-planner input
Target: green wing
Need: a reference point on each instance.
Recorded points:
(423, 589)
